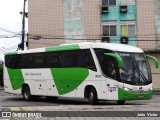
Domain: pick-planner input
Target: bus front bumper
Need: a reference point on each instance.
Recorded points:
(131, 95)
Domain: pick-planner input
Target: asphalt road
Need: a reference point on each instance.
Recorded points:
(77, 104)
(16, 103)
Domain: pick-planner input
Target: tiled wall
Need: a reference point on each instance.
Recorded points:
(157, 22)
(145, 24)
(45, 17)
(76, 19)
(92, 22)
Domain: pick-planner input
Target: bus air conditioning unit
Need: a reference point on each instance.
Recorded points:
(106, 39)
(124, 40)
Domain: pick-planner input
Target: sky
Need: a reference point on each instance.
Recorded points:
(11, 20)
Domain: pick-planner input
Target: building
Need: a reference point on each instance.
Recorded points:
(133, 22)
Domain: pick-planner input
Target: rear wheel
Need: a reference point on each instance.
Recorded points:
(92, 97)
(26, 93)
(120, 102)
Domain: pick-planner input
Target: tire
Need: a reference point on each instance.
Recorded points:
(26, 93)
(50, 98)
(120, 102)
(92, 97)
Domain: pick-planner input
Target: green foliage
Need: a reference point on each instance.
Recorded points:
(1, 75)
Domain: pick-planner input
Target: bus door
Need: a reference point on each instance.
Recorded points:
(110, 70)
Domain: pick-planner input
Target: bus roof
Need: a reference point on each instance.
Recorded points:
(84, 45)
(117, 47)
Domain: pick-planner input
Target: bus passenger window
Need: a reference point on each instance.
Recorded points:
(110, 68)
(52, 60)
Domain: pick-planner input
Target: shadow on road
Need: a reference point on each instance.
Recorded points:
(42, 101)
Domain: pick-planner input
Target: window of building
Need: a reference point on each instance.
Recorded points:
(109, 30)
(127, 2)
(128, 30)
(108, 2)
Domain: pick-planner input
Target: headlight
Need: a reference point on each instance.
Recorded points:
(151, 88)
(126, 89)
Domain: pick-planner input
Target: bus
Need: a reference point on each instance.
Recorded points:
(94, 71)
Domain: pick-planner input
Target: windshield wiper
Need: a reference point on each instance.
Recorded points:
(143, 76)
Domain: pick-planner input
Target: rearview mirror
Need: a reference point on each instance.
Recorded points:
(155, 60)
(117, 57)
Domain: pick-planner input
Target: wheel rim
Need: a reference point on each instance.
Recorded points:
(26, 94)
(90, 96)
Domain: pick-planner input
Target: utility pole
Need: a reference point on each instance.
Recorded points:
(23, 25)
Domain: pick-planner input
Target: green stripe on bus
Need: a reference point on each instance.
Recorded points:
(63, 48)
(129, 95)
(11, 53)
(16, 78)
(67, 79)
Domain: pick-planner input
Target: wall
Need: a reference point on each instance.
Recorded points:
(145, 24)
(157, 23)
(45, 18)
(68, 19)
(155, 72)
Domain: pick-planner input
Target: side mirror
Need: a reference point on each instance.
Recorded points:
(155, 60)
(117, 57)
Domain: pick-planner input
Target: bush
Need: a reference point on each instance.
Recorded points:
(1, 75)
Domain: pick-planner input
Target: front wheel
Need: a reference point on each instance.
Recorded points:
(120, 102)
(92, 96)
(26, 93)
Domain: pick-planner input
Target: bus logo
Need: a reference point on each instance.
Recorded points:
(6, 114)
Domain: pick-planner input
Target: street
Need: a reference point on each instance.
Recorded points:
(14, 103)
(74, 104)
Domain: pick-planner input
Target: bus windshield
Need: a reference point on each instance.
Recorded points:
(135, 69)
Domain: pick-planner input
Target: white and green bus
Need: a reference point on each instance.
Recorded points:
(96, 71)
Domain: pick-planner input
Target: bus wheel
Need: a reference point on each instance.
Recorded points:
(26, 93)
(120, 102)
(92, 96)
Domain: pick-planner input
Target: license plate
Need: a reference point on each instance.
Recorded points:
(140, 97)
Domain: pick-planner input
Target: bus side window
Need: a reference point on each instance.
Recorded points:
(110, 68)
(37, 60)
(66, 59)
(89, 61)
(24, 61)
(85, 60)
(52, 60)
(80, 59)
(13, 61)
